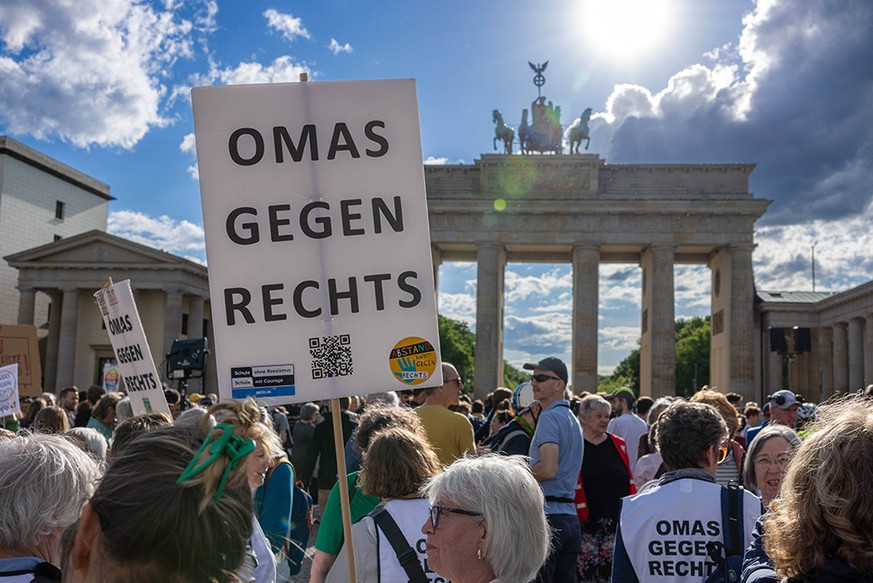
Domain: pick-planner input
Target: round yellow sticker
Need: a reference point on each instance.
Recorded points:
(413, 360)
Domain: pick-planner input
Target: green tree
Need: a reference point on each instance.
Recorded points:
(692, 360)
(626, 374)
(512, 377)
(692, 355)
(456, 347)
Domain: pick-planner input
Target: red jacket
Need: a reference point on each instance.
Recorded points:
(581, 501)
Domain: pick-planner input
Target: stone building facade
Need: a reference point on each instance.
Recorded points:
(41, 200)
(840, 356)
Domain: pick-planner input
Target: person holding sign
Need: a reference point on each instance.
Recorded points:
(396, 465)
(671, 531)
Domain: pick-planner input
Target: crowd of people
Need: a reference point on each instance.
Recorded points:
(536, 484)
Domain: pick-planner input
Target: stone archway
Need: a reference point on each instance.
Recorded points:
(578, 209)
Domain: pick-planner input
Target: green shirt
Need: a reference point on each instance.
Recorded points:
(330, 531)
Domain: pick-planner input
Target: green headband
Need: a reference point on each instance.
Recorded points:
(228, 443)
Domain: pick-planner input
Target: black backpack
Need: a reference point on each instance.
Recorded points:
(728, 555)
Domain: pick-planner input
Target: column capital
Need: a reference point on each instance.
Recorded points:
(496, 245)
(585, 245)
(742, 247)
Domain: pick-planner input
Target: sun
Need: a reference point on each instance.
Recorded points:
(625, 29)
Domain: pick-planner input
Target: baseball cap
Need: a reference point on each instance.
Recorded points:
(625, 392)
(783, 399)
(553, 364)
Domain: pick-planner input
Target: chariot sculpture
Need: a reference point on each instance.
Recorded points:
(542, 132)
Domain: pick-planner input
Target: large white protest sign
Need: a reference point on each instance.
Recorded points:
(317, 236)
(141, 378)
(9, 402)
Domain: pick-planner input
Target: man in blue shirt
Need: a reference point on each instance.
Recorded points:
(556, 458)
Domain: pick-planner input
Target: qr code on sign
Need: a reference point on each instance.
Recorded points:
(331, 356)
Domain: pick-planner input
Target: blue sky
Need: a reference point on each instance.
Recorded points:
(103, 85)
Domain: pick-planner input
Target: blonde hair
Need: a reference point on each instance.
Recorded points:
(825, 508)
(722, 405)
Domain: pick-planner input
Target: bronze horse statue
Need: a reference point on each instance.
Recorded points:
(524, 133)
(502, 132)
(579, 132)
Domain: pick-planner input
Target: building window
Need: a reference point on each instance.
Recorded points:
(60, 207)
(185, 324)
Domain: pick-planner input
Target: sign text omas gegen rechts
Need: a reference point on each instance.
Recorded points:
(317, 236)
(317, 219)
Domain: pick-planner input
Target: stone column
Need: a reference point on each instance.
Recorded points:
(742, 332)
(868, 349)
(491, 258)
(26, 304)
(172, 318)
(195, 317)
(826, 363)
(67, 342)
(841, 357)
(856, 354)
(658, 347)
(586, 284)
(774, 373)
(50, 366)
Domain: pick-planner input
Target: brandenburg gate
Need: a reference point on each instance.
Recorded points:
(578, 209)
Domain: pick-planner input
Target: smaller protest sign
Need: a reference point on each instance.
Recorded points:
(18, 345)
(9, 390)
(111, 377)
(141, 378)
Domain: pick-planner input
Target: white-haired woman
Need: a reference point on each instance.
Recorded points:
(605, 478)
(486, 522)
(45, 481)
(767, 460)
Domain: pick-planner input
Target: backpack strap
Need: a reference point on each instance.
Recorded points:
(732, 533)
(733, 541)
(408, 558)
(42, 573)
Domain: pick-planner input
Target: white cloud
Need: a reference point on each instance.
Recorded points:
(792, 97)
(460, 306)
(337, 48)
(91, 72)
(282, 69)
(178, 237)
(288, 25)
(436, 161)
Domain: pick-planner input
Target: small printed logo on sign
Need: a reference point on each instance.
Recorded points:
(262, 381)
(412, 360)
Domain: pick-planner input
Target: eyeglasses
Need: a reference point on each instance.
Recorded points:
(457, 381)
(541, 378)
(779, 462)
(722, 454)
(436, 510)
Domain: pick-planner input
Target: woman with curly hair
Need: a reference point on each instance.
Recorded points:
(820, 528)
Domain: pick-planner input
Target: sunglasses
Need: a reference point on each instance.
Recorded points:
(722, 454)
(435, 512)
(541, 378)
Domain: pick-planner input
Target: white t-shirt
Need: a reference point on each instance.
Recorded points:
(629, 427)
